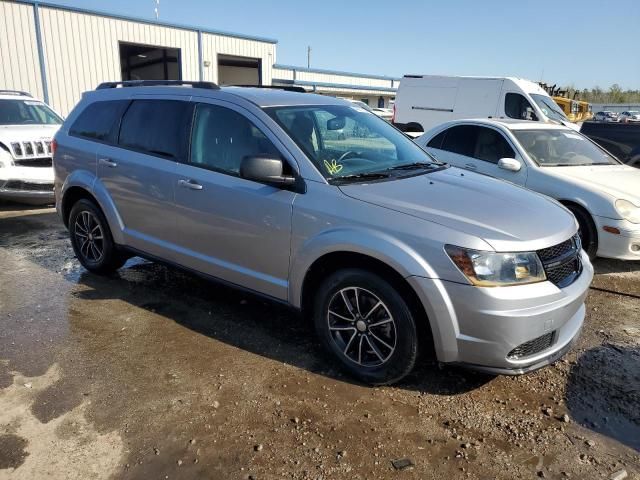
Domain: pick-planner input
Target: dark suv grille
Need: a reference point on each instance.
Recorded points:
(562, 261)
(531, 347)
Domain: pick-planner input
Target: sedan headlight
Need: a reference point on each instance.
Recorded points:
(491, 269)
(628, 210)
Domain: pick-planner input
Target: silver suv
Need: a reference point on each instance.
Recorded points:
(321, 205)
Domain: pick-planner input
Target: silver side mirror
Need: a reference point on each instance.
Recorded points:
(510, 164)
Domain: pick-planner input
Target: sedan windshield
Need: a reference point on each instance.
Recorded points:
(562, 148)
(26, 112)
(348, 143)
(550, 108)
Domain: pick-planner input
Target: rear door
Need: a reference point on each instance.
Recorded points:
(229, 227)
(138, 172)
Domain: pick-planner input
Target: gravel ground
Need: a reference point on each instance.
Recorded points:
(154, 373)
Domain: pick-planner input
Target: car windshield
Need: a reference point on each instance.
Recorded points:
(347, 142)
(26, 112)
(562, 148)
(550, 108)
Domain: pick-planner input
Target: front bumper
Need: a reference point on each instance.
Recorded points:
(480, 327)
(624, 245)
(31, 185)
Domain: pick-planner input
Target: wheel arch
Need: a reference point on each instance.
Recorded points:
(334, 261)
(82, 184)
(585, 210)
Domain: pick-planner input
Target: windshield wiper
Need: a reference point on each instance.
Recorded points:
(414, 166)
(360, 176)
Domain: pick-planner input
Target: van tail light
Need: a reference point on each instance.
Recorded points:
(393, 117)
(54, 147)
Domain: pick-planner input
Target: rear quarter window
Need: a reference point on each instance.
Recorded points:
(99, 121)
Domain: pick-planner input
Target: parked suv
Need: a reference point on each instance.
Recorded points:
(26, 128)
(388, 250)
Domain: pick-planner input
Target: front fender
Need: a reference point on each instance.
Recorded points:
(383, 247)
(91, 183)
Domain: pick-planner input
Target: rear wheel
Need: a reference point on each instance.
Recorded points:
(587, 230)
(91, 239)
(367, 326)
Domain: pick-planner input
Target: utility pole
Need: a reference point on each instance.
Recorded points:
(309, 56)
(157, 10)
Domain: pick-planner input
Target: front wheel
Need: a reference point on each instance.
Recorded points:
(91, 239)
(367, 326)
(587, 231)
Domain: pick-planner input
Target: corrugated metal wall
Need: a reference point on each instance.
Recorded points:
(214, 45)
(19, 65)
(82, 50)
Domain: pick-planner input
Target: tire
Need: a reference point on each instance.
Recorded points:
(91, 239)
(375, 339)
(587, 231)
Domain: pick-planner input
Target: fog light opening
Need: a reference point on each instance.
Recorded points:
(635, 248)
(613, 230)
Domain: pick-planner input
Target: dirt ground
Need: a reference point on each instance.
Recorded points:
(154, 373)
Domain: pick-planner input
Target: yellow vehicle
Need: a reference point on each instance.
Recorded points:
(575, 110)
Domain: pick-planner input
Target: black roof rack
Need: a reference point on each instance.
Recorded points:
(15, 92)
(155, 83)
(288, 88)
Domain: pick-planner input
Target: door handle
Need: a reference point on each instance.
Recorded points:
(471, 166)
(190, 184)
(108, 163)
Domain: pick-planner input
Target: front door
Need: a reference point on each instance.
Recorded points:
(234, 229)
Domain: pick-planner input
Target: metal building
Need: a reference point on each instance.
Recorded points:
(57, 52)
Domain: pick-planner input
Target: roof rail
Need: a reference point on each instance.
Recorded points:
(15, 92)
(155, 83)
(288, 88)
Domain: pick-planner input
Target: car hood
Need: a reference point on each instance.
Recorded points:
(618, 181)
(26, 133)
(507, 217)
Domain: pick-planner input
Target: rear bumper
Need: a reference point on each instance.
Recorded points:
(480, 327)
(623, 246)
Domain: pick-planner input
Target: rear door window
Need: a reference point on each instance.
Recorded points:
(99, 121)
(157, 127)
(436, 142)
(461, 139)
(491, 146)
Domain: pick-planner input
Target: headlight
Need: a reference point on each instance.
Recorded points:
(628, 210)
(491, 269)
(5, 159)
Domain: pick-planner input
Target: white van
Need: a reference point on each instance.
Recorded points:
(424, 101)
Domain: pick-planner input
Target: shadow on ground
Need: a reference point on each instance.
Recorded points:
(245, 321)
(603, 392)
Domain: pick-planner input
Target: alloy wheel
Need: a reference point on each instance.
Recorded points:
(361, 326)
(89, 236)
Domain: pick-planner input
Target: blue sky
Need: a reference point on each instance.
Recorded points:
(580, 42)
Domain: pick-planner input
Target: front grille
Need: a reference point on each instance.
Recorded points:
(531, 347)
(548, 254)
(34, 162)
(30, 149)
(28, 186)
(562, 261)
